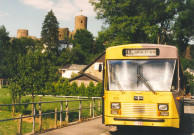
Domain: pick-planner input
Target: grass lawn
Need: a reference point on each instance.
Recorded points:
(11, 127)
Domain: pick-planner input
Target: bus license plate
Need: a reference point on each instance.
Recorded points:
(138, 123)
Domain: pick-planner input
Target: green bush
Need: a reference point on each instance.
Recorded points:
(191, 88)
(24, 107)
(63, 87)
(6, 101)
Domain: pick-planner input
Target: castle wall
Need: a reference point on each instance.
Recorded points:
(22, 33)
(63, 32)
(80, 23)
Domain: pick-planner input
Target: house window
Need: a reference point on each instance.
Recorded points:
(96, 65)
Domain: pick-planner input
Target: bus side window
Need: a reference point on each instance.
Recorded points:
(181, 78)
(175, 79)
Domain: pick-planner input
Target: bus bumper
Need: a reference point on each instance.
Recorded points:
(155, 122)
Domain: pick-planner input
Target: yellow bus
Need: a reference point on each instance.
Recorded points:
(143, 86)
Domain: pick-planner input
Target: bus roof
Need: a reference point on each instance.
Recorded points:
(163, 51)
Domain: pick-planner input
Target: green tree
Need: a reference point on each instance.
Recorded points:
(189, 82)
(79, 56)
(4, 50)
(184, 28)
(85, 39)
(58, 88)
(50, 32)
(74, 89)
(91, 89)
(84, 47)
(66, 88)
(98, 89)
(66, 57)
(137, 21)
(34, 74)
(12, 51)
(82, 89)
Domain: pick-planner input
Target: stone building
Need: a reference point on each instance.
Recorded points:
(63, 32)
(22, 33)
(80, 23)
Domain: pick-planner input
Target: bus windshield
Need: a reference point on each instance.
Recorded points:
(140, 75)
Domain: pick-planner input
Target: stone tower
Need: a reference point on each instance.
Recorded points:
(80, 22)
(22, 33)
(63, 32)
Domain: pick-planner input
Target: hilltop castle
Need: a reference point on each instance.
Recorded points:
(80, 23)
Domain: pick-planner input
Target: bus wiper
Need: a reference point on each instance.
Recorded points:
(116, 81)
(145, 83)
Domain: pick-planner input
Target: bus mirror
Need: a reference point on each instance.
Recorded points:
(100, 68)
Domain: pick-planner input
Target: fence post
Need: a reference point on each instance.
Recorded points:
(67, 112)
(13, 108)
(61, 113)
(93, 107)
(98, 105)
(55, 118)
(20, 125)
(40, 115)
(90, 108)
(0, 83)
(7, 82)
(80, 109)
(34, 117)
(40, 120)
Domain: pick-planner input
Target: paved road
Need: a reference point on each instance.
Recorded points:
(94, 127)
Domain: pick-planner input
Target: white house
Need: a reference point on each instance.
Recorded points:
(67, 70)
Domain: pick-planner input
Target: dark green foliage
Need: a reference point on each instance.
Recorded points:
(11, 53)
(85, 48)
(98, 89)
(137, 21)
(184, 28)
(24, 108)
(191, 88)
(74, 89)
(63, 87)
(34, 73)
(4, 45)
(187, 63)
(82, 89)
(78, 55)
(85, 39)
(65, 57)
(66, 88)
(50, 32)
(91, 89)
(189, 82)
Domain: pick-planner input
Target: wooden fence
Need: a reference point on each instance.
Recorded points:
(3, 82)
(55, 112)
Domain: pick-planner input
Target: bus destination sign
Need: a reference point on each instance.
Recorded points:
(140, 52)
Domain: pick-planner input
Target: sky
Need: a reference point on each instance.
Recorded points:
(30, 14)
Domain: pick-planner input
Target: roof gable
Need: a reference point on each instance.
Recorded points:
(100, 58)
(73, 67)
(86, 77)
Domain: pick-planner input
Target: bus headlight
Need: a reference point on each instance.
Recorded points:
(163, 107)
(115, 105)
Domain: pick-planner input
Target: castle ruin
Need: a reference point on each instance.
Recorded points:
(22, 33)
(80, 23)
